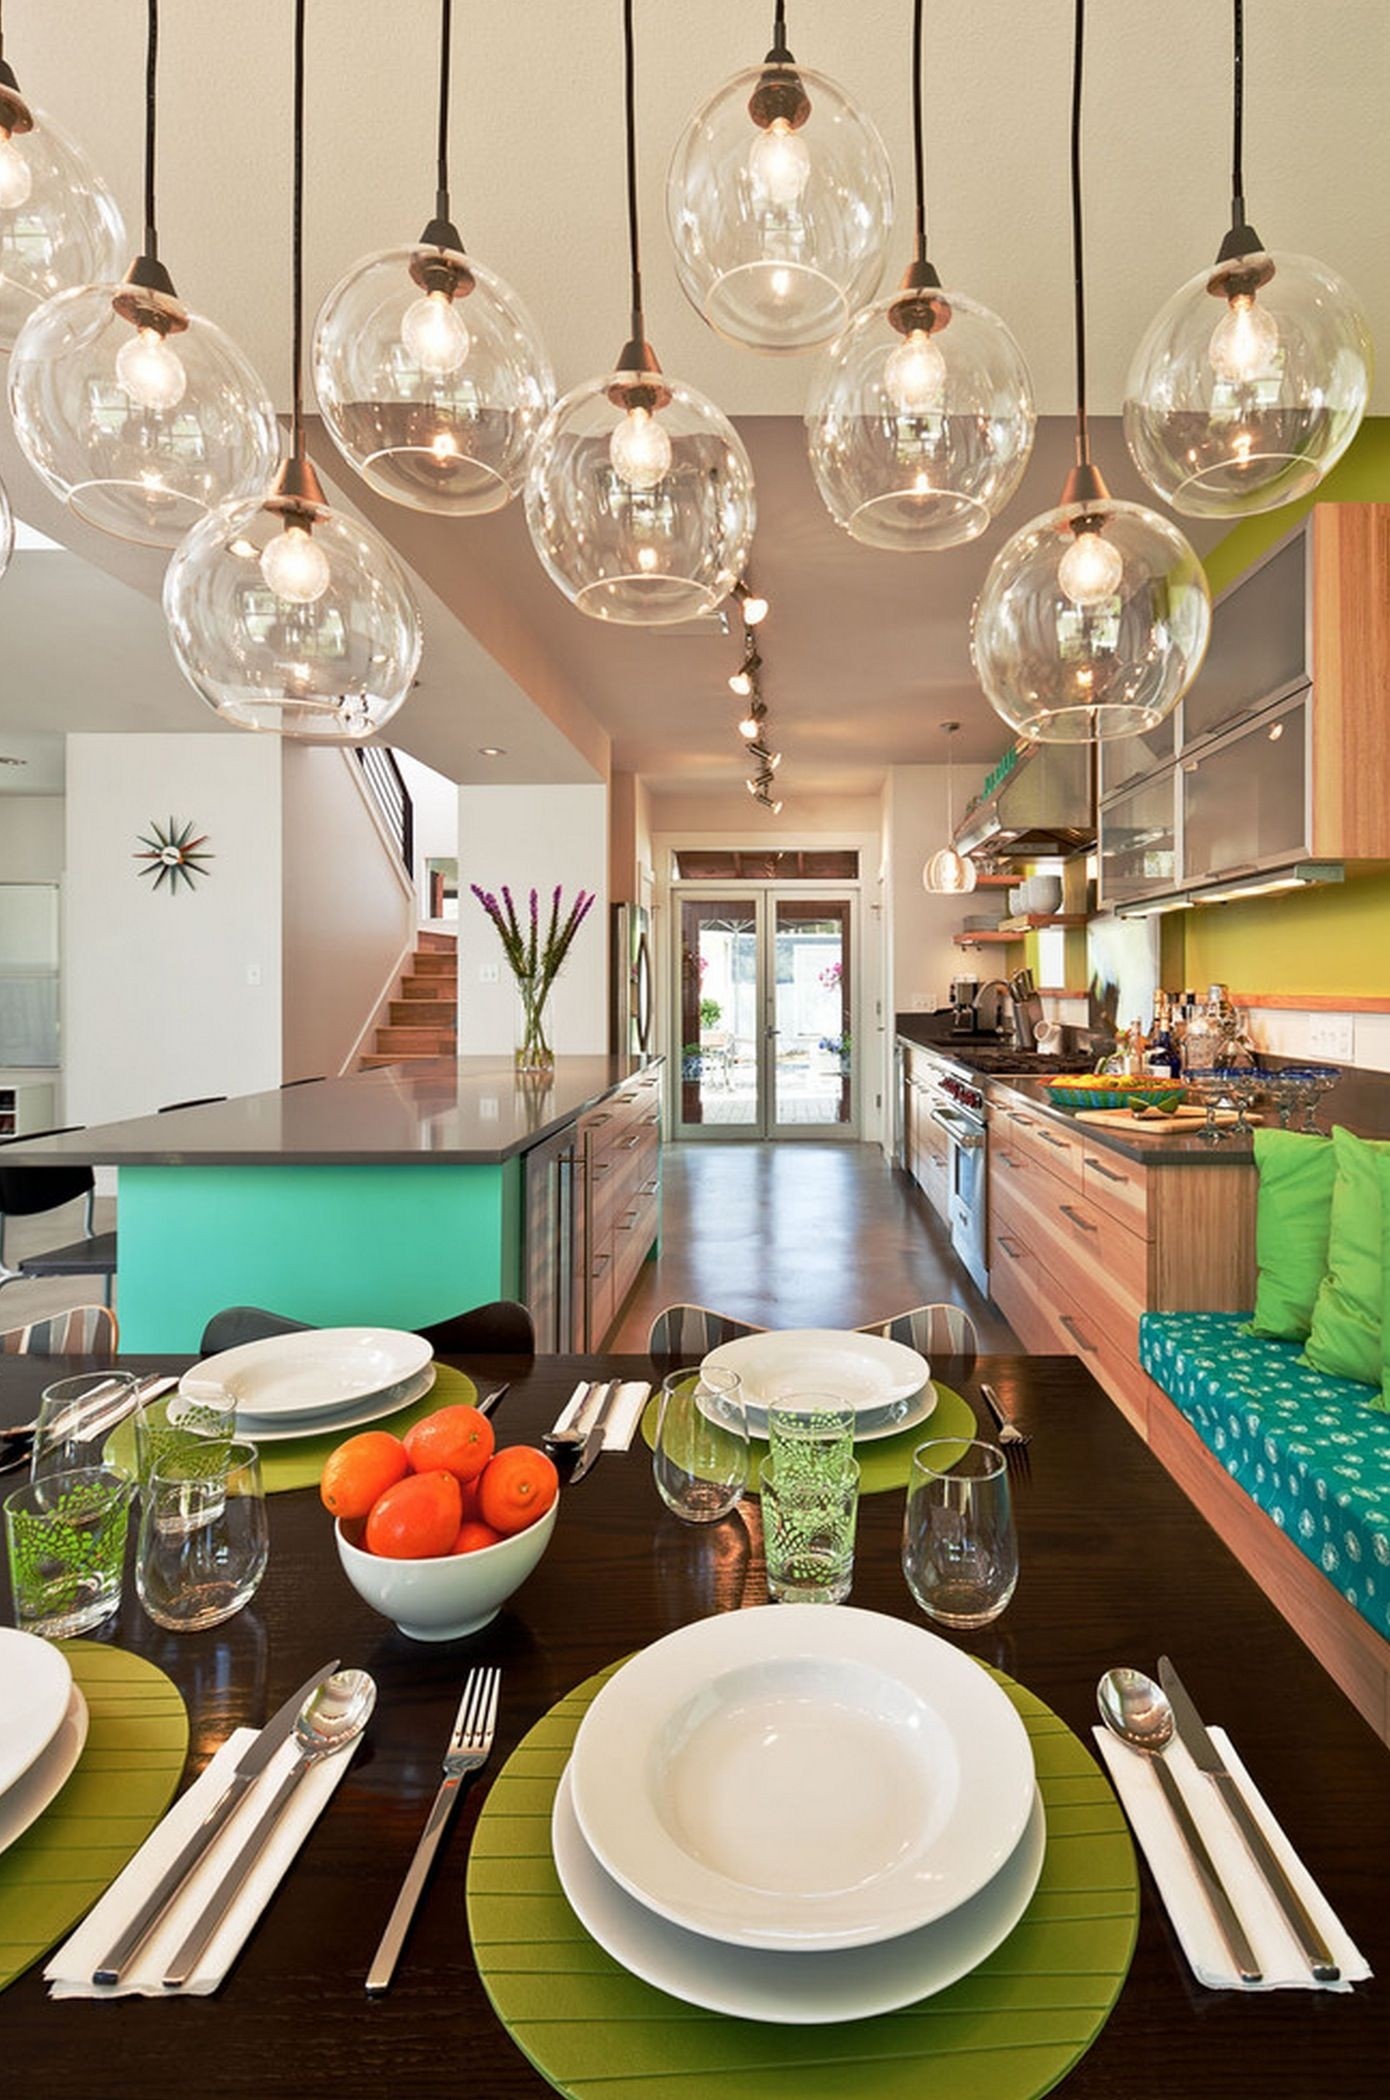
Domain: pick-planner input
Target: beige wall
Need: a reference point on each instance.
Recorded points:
(923, 960)
(31, 838)
(696, 814)
(348, 911)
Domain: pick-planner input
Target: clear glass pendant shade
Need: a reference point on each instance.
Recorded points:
(949, 874)
(6, 530)
(641, 508)
(1092, 623)
(1240, 400)
(435, 400)
(918, 439)
(779, 229)
(138, 432)
(59, 224)
(295, 620)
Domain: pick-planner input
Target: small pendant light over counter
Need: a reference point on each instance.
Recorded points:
(1253, 379)
(135, 412)
(920, 420)
(948, 873)
(639, 494)
(429, 372)
(59, 224)
(1094, 618)
(779, 200)
(285, 615)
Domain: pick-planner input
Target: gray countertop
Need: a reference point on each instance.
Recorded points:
(1164, 1150)
(467, 1111)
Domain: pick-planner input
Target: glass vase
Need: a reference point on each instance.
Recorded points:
(533, 1048)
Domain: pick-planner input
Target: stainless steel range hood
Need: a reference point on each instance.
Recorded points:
(1046, 806)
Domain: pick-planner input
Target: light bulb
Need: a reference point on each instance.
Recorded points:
(150, 371)
(1090, 570)
(749, 728)
(640, 450)
(1245, 342)
(755, 610)
(295, 566)
(433, 333)
(779, 165)
(915, 375)
(16, 176)
(741, 682)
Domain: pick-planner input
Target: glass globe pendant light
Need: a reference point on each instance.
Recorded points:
(639, 493)
(6, 530)
(948, 873)
(136, 413)
(779, 200)
(1253, 379)
(285, 615)
(59, 224)
(1094, 618)
(920, 419)
(430, 375)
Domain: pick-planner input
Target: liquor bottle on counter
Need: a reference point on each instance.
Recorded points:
(1164, 1057)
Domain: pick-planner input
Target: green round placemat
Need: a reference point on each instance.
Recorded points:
(299, 1460)
(137, 1740)
(1008, 2031)
(886, 1462)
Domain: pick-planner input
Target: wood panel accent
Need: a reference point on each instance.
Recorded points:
(1347, 1646)
(1351, 659)
(622, 1153)
(1312, 1002)
(1204, 1237)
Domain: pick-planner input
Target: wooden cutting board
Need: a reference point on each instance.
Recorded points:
(1183, 1120)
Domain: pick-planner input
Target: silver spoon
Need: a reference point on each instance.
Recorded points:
(1135, 1709)
(333, 1715)
(568, 1444)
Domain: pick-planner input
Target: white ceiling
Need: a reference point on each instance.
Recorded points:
(866, 652)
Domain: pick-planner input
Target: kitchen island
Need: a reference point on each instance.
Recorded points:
(392, 1197)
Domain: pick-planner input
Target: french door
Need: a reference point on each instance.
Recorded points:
(764, 1004)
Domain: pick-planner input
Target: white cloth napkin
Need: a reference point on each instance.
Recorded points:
(1276, 1949)
(623, 1416)
(69, 1973)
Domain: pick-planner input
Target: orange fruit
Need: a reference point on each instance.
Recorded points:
(455, 1440)
(417, 1519)
(474, 1536)
(518, 1486)
(360, 1471)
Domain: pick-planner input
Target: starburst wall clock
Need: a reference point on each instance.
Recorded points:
(173, 855)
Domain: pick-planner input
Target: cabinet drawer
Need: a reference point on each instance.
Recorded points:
(1100, 1264)
(1078, 1333)
(1118, 1186)
(1037, 1137)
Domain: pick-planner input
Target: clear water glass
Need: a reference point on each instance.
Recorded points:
(811, 1435)
(66, 1537)
(204, 1539)
(196, 1431)
(76, 1416)
(960, 1549)
(808, 1533)
(700, 1458)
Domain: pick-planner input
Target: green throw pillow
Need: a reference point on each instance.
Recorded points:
(1345, 1340)
(1293, 1223)
(1382, 1399)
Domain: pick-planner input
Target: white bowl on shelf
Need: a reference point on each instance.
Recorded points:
(1044, 894)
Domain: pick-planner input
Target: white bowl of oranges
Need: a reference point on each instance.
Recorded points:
(438, 1528)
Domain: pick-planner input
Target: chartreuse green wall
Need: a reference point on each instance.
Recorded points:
(1333, 941)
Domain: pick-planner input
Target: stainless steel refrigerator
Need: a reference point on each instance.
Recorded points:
(630, 981)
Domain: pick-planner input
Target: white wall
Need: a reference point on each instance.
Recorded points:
(157, 1002)
(349, 914)
(31, 838)
(923, 958)
(533, 837)
(436, 804)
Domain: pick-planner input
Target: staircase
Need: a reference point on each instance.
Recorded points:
(422, 1020)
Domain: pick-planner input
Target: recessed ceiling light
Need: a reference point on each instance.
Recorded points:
(491, 751)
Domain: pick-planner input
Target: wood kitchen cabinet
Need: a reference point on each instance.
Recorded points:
(926, 1147)
(593, 1214)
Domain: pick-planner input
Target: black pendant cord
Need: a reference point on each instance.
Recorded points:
(630, 120)
(919, 151)
(297, 244)
(151, 248)
(1083, 437)
(1238, 114)
(441, 176)
(779, 54)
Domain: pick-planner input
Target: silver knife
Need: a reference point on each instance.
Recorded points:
(253, 1761)
(1208, 1759)
(593, 1442)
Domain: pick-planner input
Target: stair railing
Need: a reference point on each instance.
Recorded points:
(386, 783)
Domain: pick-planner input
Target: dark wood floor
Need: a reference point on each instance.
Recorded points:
(799, 1235)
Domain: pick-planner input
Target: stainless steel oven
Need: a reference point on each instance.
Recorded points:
(962, 1116)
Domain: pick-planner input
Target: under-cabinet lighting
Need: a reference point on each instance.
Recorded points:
(1302, 876)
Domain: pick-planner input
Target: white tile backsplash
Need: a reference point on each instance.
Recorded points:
(1284, 1032)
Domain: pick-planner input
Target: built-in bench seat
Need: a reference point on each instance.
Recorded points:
(1308, 1450)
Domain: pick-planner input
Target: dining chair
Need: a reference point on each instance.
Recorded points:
(932, 1330)
(502, 1328)
(31, 1192)
(693, 1330)
(236, 1324)
(85, 1330)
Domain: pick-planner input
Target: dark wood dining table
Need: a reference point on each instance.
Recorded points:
(1116, 1568)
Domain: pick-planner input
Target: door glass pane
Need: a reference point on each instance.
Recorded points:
(813, 982)
(719, 1011)
(1244, 804)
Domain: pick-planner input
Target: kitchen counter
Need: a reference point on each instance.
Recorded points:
(467, 1111)
(1167, 1150)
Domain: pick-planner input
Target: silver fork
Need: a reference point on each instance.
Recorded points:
(470, 1746)
(1013, 1441)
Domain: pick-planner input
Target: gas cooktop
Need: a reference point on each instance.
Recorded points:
(1001, 1057)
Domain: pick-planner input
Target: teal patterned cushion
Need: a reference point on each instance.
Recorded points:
(1304, 1446)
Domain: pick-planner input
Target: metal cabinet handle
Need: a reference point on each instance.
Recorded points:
(1004, 1159)
(1086, 1348)
(1077, 1219)
(592, 1122)
(602, 1166)
(601, 1261)
(629, 1144)
(1105, 1172)
(649, 1188)
(1014, 1117)
(1057, 1144)
(1014, 1253)
(626, 1224)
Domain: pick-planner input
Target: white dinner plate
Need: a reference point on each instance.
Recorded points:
(802, 1779)
(320, 1371)
(868, 1428)
(35, 1685)
(373, 1409)
(47, 1775)
(801, 1990)
(863, 1371)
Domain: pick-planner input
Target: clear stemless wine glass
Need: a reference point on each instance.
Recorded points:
(700, 1459)
(204, 1541)
(76, 1416)
(960, 1550)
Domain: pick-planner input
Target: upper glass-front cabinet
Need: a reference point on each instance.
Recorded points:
(1125, 759)
(1245, 798)
(1260, 644)
(1139, 843)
